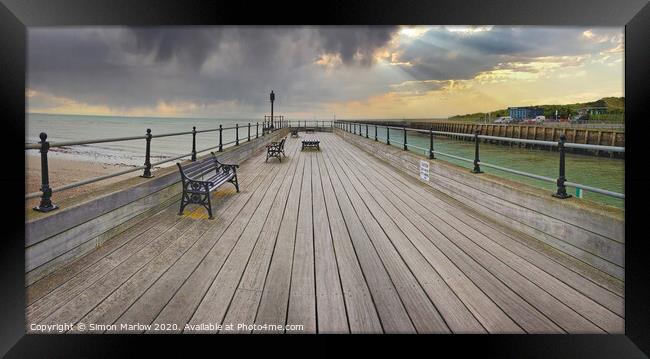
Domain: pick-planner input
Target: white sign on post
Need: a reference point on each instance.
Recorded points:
(424, 170)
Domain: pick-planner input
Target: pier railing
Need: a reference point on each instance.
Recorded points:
(251, 129)
(311, 124)
(363, 130)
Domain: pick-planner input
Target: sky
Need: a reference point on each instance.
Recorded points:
(351, 72)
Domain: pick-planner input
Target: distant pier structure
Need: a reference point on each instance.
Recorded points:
(574, 133)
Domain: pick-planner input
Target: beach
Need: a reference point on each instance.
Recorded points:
(63, 171)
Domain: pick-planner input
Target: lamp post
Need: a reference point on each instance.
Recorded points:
(272, 99)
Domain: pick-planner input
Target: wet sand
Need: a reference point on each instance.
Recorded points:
(66, 171)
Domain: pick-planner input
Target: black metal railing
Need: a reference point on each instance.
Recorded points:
(44, 147)
(561, 181)
(315, 124)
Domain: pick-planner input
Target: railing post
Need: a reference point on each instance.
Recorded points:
(561, 188)
(387, 135)
(405, 146)
(46, 204)
(249, 131)
(375, 132)
(257, 129)
(236, 134)
(193, 143)
(220, 138)
(431, 156)
(147, 156)
(366, 130)
(477, 167)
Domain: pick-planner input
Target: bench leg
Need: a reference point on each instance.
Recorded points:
(235, 182)
(209, 207)
(183, 204)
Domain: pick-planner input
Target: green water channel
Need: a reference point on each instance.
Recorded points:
(600, 172)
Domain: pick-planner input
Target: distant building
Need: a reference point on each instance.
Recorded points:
(593, 110)
(520, 113)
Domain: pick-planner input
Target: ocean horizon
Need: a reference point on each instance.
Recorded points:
(131, 153)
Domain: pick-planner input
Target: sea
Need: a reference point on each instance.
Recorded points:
(130, 153)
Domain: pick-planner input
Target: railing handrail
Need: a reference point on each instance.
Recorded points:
(350, 126)
(496, 138)
(46, 205)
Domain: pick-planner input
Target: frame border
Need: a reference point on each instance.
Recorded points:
(16, 16)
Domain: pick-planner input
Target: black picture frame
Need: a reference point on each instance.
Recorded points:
(16, 15)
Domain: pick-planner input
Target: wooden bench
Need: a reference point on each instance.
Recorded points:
(311, 144)
(275, 149)
(294, 132)
(196, 189)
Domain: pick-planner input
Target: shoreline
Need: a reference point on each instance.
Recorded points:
(63, 171)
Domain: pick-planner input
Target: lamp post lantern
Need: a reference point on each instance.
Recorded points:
(272, 99)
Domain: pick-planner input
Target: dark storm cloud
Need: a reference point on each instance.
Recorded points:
(444, 55)
(127, 67)
(352, 41)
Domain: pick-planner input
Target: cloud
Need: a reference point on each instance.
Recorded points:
(143, 66)
(228, 71)
(463, 53)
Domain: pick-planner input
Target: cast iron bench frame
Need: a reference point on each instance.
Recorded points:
(197, 191)
(310, 144)
(275, 149)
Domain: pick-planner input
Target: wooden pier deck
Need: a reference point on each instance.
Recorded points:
(334, 241)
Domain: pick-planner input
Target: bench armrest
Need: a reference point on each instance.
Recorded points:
(189, 185)
(223, 164)
(229, 165)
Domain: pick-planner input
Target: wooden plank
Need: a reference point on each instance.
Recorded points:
(514, 279)
(302, 294)
(45, 306)
(275, 297)
(422, 315)
(393, 315)
(457, 316)
(128, 292)
(331, 311)
(182, 305)
(248, 295)
(193, 243)
(491, 316)
(524, 314)
(598, 293)
(47, 277)
(88, 274)
(216, 300)
(77, 307)
(43, 287)
(361, 312)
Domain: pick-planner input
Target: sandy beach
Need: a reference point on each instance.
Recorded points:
(66, 171)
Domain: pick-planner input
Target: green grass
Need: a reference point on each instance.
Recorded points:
(615, 111)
